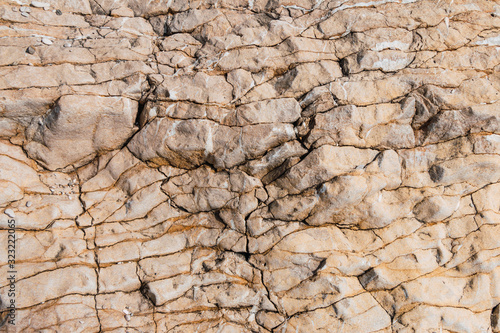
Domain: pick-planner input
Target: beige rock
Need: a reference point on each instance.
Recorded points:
(119, 164)
(45, 210)
(9, 192)
(120, 309)
(365, 92)
(122, 11)
(349, 315)
(174, 88)
(330, 288)
(114, 70)
(53, 76)
(22, 175)
(54, 284)
(242, 82)
(181, 42)
(188, 21)
(74, 313)
(274, 158)
(120, 277)
(404, 268)
(65, 136)
(139, 204)
(319, 99)
(286, 110)
(484, 199)
(22, 105)
(250, 166)
(213, 143)
(386, 60)
(423, 290)
(487, 144)
(294, 82)
(164, 267)
(434, 209)
(368, 126)
(322, 165)
(8, 127)
(428, 318)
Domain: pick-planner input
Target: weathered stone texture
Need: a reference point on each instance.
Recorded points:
(251, 166)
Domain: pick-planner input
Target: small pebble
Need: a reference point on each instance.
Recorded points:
(58, 12)
(46, 41)
(28, 204)
(25, 14)
(30, 50)
(128, 314)
(14, 9)
(10, 213)
(39, 4)
(25, 9)
(67, 45)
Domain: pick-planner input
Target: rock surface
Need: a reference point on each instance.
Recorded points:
(251, 166)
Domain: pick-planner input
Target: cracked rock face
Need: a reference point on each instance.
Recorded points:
(251, 166)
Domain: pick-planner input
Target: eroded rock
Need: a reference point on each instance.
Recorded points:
(250, 166)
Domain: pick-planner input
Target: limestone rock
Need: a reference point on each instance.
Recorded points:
(250, 166)
(73, 280)
(324, 164)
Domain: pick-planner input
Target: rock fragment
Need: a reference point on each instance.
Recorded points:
(10, 213)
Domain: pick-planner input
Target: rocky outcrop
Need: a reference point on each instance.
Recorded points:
(250, 166)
